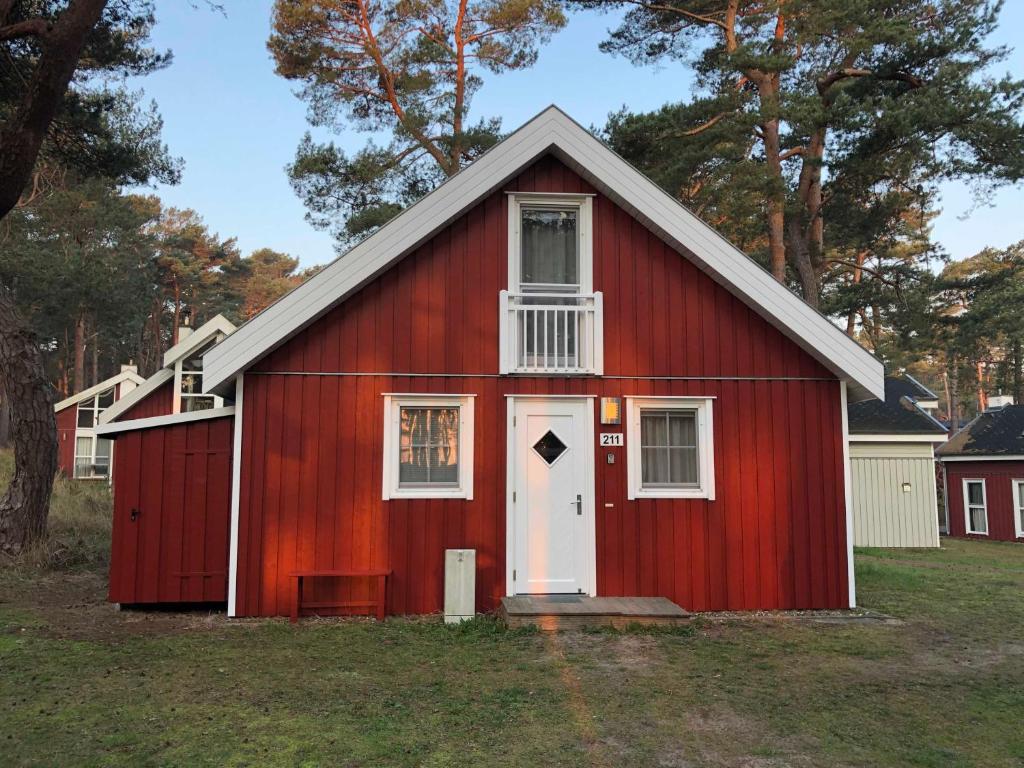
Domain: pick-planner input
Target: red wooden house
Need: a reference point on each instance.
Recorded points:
(81, 453)
(549, 361)
(983, 473)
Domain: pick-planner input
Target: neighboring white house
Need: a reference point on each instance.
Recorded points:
(892, 458)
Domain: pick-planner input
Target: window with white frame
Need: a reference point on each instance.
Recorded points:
(670, 447)
(428, 446)
(189, 385)
(89, 410)
(975, 507)
(92, 457)
(1018, 507)
(550, 244)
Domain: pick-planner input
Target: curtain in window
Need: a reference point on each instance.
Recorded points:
(549, 247)
(668, 445)
(428, 446)
(976, 508)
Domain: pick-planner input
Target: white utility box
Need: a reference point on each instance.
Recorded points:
(459, 585)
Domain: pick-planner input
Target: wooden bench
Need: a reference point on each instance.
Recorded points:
(380, 576)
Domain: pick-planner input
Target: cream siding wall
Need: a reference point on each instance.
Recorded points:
(883, 514)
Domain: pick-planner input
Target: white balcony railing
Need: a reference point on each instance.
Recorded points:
(551, 333)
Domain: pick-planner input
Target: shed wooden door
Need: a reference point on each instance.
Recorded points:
(172, 500)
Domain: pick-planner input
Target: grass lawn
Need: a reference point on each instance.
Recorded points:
(81, 684)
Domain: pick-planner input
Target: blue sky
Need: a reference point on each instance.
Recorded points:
(237, 124)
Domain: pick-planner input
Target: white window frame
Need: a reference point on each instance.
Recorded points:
(89, 434)
(968, 505)
(179, 397)
(93, 404)
(1018, 507)
(705, 447)
(584, 224)
(393, 404)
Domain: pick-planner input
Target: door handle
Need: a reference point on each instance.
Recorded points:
(579, 504)
(135, 514)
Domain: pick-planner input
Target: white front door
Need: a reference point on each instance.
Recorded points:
(552, 531)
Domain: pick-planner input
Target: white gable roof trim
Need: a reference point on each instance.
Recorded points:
(141, 392)
(164, 421)
(201, 335)
(551, 130)
(94, 390)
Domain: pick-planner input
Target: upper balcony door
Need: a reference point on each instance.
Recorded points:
(550, 315)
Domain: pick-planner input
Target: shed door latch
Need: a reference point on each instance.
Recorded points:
(135, 514)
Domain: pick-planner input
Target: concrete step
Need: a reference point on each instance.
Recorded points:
(557, 612)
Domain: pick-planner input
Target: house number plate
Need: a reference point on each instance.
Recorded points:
(611, 438)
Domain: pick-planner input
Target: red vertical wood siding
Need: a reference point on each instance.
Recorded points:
(998, 477)
(179, 479)
(67, 424)
(311, 445)
(159, 402)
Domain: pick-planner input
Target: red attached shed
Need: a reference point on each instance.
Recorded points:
(549, 361)
(172, 490)
(983, 467)
(172, 502)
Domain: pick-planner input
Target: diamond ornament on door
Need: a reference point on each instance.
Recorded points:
(550, 447)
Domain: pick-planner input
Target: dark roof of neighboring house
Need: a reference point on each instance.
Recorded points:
(897, 414)
(993, 433)
(906, 386)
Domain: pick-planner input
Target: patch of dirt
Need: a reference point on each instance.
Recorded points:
(613, 651)
(73, 606)
(851, 616)
(716, 736)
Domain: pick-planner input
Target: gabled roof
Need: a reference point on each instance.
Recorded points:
(210, 330)
(552, 131)
(141, 392)
(104, 385)
(898, 414)
(992, 434)
(195, 340)
(907, 386)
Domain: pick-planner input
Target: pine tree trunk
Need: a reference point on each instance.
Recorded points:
(954, 399)
(95, 358)
(5, 423)
(800, 257)
(982, 399)
(1018, 373)
(23, 384)
(776, 198)
(949, 400)
(79, 354)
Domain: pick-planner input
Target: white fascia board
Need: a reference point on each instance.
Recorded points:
(729, 266)
(164, 421)
(962, 457)
(142, 391)
(925, 438)
(94, 390)
(197, 338)
(551, 130)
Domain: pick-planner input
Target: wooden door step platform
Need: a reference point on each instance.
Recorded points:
(554, 612)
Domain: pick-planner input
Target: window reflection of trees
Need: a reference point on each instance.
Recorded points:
(429, 446)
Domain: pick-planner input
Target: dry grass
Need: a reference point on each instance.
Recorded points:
(78, 534)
